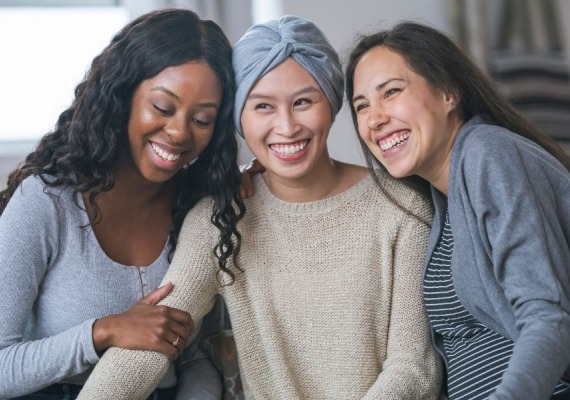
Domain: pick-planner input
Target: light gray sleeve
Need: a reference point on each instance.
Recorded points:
(28, 239)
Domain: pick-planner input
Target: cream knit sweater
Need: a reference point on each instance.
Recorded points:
(329, 305)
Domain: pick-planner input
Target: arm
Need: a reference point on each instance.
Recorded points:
(145, 326)
(28, 240)
(132, 374)
(30, 237)
(519, 200)
(412, 370)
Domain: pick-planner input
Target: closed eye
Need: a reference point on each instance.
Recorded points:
(201, 123)
(162, 110)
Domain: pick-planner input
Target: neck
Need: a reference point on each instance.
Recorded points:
(320, 183)
(438, 176)
(131, 187)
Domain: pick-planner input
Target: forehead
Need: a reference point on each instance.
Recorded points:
(381, 59)
(191, 78)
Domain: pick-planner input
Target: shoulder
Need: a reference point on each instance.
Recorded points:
(483, 143)
(398, 199)
(403, 191)
(198, 220)
(484, 153)
(36, 210)
(34, 194)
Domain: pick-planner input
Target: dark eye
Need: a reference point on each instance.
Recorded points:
(262, 106)
(359, 107)
(391, 92)
(162, 110)
(301, 102)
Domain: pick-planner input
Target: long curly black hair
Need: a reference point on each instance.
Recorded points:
(90, 138)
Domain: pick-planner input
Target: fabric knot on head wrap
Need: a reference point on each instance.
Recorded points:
(265, 46)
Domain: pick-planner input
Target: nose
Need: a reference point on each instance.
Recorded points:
(377, 117)
(177, 128)
(286, 124)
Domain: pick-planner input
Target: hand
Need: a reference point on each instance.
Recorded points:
(254, 167)
(146, 326)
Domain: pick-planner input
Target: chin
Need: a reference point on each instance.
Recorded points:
(398, 173)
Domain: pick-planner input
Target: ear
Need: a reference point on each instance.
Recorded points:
(451, 101)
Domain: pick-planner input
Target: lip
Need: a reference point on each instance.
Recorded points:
(392, 142)
(166, 156)
(379, 138)
(291, 150)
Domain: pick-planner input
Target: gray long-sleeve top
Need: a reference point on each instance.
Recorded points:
(55, 280)
(509, 208)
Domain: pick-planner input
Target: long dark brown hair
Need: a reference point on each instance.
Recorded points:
(445, 66)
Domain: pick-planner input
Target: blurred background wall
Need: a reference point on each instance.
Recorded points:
(47, 45)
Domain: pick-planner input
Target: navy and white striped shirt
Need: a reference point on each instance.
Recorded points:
(476, 356)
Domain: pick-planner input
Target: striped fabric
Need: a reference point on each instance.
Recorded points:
(476, 356)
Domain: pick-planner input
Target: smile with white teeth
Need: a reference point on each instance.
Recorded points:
(393, 141)
(288, 149)
(166, 156)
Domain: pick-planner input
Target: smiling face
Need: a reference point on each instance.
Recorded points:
(407, 124)
(286, 121)
(172, 119)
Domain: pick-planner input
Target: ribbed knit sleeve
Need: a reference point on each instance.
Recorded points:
(134, 374)
(29, 240)
(412, 370)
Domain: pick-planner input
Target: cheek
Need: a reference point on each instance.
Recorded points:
(254, 129)
(362, 127)
(203, 140)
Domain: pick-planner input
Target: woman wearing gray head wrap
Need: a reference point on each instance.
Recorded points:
(265, 46)
(325, 295)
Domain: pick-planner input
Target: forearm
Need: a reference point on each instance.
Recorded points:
(125, 375)
(26, 367)
(409, 377)
(412, 369)
(539, 359)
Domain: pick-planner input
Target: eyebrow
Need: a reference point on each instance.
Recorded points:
(378, 87)
(308, 89)
(172, 94)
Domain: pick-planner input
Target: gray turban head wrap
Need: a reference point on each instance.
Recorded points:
(265, 46)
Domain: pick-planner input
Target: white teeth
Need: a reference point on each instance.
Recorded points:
(393, 142)
(286, 149)
(166, 156)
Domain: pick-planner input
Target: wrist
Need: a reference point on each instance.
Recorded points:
(102, 337)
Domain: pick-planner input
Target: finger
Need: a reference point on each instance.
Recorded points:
(255, 167)
(158, 294)
(184, 331)
(177, 344)
(175, 315)
(246, 188)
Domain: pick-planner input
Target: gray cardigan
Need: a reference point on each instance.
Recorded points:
(509, 208)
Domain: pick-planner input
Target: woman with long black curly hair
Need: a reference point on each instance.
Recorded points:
(90, 219)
